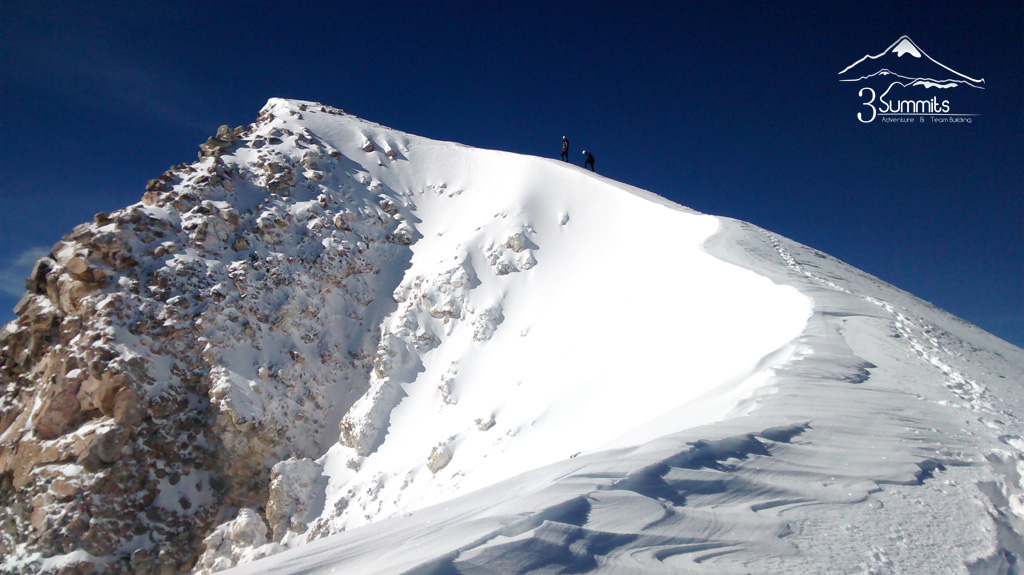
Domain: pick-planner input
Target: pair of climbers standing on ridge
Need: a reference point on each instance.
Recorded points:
(588, 160)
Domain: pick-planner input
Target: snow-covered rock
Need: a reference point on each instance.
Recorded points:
(221, 326)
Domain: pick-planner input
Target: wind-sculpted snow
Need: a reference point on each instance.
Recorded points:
(859, 452)
(342, 348)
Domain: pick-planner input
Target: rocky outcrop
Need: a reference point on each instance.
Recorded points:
(296, 489)
(176, 366)
(215, 145)
(440, 457)
(244, 538)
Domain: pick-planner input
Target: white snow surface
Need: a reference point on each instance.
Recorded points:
(905, 46)
(580, 376)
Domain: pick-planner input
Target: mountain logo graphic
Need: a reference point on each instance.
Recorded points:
(910, 82)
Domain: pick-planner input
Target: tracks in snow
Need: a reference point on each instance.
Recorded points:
(923, 337)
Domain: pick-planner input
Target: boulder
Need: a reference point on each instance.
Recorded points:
(225, 134)
(63, 489)
(57, 413)
(440, 457)
(516, 242)
(101, 393)
(211, 147)
(156, 185)
(77, 265)
(109, 245)
(240, 244)
(69, 294)
(404, 234)
(36, 282)
(214, 145)
(151, 198)
(62, 251)
(231, 218)
(26, 300)
(293, 483)
(388, 206)
(106, 445)
(128, 407)
(42, 318)
(341, 223)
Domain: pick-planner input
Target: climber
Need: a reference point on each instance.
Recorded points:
(565, 149)
(589, 161)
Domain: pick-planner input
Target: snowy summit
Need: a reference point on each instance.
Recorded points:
(906, 46)
(917, 66)
(333, 347)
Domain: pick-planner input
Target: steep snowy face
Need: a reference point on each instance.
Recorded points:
(543, 312)
(884, 431)
(325, 322)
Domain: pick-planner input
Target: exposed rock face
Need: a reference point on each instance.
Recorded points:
(168, 355)
(235, 541)
(439, 457)
(295, 488)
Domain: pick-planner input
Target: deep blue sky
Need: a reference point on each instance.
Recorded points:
(731, 108)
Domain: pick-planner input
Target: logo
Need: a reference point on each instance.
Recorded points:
(904, 84)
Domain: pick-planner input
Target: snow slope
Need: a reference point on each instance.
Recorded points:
(608, 302)
(612, 383)
(544, 312)
(342, 348)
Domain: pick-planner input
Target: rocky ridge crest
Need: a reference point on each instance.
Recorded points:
(181, 362)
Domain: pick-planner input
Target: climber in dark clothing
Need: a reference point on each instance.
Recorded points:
(589, 161)
(565, 149)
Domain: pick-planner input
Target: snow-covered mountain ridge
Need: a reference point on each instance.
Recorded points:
(325, 327)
